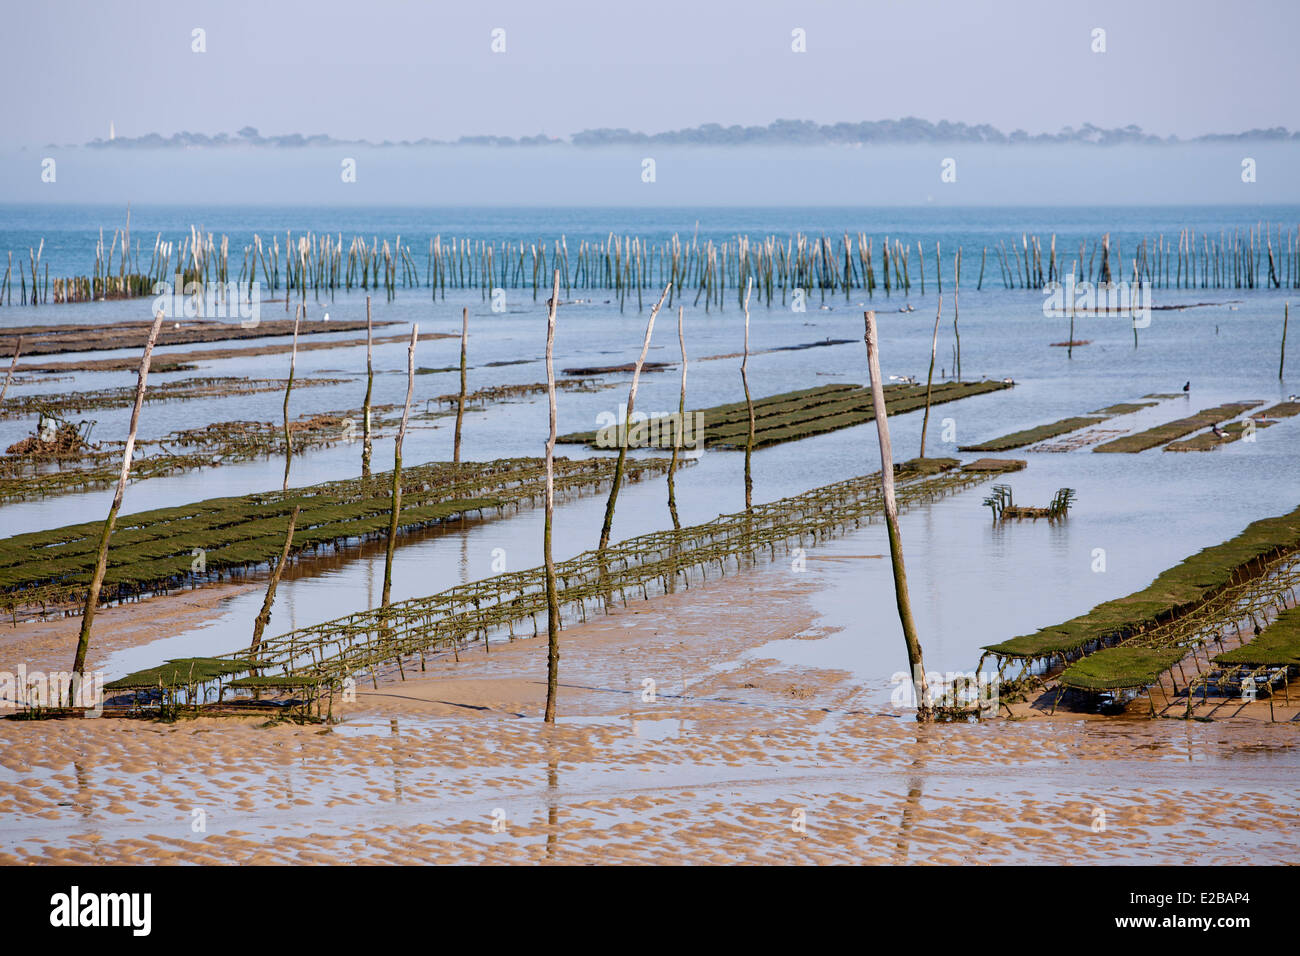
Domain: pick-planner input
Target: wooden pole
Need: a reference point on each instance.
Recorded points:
(17, 347)
(749, 405)
(367, 445)
(677, 434)
(397, 467)
(288, 387)
(552, 599)
(460, 404)
(264, 615)
(1281, 364)
(623, 432)
(929, 379)
(956, 289)
(924, 711)
(101, 562)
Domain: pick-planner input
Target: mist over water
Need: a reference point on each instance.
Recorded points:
(892, 175)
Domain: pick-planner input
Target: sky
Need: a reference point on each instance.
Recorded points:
(402, 69)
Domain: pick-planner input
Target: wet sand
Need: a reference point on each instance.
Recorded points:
(50, 644)
(743, 759)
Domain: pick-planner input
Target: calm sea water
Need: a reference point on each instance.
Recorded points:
(972, 583)
(70, 231)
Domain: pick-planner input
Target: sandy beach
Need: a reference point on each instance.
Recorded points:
(742, 759)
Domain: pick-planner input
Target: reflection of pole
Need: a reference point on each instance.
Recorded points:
(923, 709)
(910, 809)
(553, 811)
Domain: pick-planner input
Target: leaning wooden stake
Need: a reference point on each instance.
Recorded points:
(929, 380)
(677, 432)
(552, 598)
(924, 711)
(749, 405)
(956, 334)
(264, 615)
(460, 404)
(288, 387)
(627, 425)
(101, 562)
(1281, 365)
(17, 347)
(367, 445)
(397, 468)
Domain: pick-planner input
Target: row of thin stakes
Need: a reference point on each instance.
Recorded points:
(1261, 256)
(95, 587)
(394, 635)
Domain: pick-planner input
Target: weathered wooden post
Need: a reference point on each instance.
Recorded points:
(1281, 364)
(397, 467)
(627, 426)
(956, 333)
(18, 347)
(288, 388)
(552, 599)
(460, 404)
(929, 379)
(681, 424)
(924, 711)
(749, 405)
(264, 615)
(367, 445)
(101, 561)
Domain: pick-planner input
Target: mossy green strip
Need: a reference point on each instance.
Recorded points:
(1121, 668)
(1172, 593)
(1277, 646)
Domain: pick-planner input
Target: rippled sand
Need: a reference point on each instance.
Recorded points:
(745, 761)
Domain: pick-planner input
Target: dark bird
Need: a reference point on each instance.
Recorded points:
(1187, 387)
(1215, 429)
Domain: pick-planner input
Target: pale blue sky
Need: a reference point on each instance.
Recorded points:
(398, 69)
